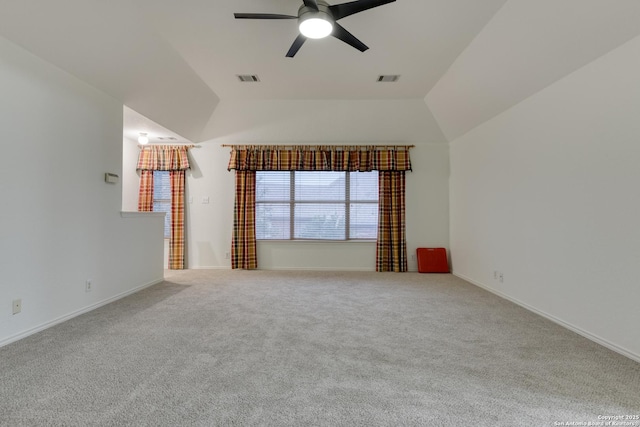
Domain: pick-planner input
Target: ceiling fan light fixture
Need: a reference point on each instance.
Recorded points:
(318, 19)
(315, 26)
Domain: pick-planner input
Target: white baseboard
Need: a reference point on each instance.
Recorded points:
(75, 313)
(290, 268)
(329, 269)
(312, 269)
(227, 267)
(323, 269)
(603, 342)
(285, 268)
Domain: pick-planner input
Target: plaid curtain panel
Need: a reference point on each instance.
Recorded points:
(391, 249)
(145, 192)
(176, 242)
(172, 158)
(349, 158)
(243, 245)
(163, 158)
(391, 162)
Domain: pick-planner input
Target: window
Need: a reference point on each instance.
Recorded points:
(316, 205)
(162, 198)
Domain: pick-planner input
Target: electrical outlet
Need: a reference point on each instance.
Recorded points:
(227, 255)
(17, 306)
(88, 286)
(501, 278)
(413, 257)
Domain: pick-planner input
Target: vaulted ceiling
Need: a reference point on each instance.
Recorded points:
(174, 61)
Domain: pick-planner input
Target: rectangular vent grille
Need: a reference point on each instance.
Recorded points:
(245, 78)
(167, 138)
(388, 78)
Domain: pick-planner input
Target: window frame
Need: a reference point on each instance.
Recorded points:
(292, 202)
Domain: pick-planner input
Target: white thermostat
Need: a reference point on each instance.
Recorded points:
(111, 178)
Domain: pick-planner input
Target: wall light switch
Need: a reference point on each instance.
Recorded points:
(205, 200)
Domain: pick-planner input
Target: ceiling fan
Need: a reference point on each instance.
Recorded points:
(317, 19)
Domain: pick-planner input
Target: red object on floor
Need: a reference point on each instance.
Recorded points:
(432, 260)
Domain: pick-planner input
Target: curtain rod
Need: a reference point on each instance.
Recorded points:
(168, 145)
(316, 145)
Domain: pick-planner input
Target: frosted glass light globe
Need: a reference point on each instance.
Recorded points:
(316, 28)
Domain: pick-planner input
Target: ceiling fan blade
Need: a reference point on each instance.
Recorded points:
(262, 16)
(340, 11)
(340, 33)
(313, 4)
(295, 47)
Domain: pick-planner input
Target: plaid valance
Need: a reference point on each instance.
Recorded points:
(163, 157)
(362, 158)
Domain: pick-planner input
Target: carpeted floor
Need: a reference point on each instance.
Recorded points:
(250, 348)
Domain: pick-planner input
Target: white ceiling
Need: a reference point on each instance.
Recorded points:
(418, 39)
(135, 123)
(527, 46)
(173, 62)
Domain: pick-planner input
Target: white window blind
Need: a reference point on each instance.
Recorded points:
(316, 205)
(162, 198)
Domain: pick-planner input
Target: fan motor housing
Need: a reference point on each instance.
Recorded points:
(323, 12)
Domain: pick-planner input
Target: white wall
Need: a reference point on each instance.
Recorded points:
(209, 226)
(548, 194)
(130, 177)
(60, 223)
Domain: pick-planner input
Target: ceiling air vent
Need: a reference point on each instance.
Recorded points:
(390, 78)
(167, 138)
(246, 78)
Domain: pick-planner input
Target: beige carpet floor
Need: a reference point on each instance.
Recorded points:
(266, 348)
